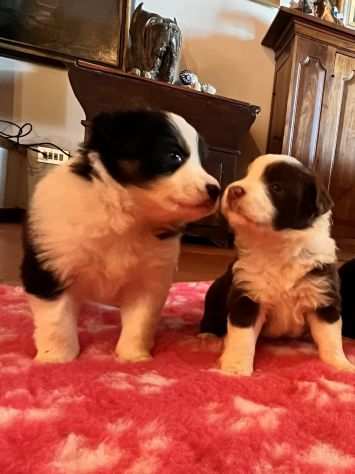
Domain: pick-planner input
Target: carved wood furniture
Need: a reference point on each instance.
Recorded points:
(313, 109)
(222, 122)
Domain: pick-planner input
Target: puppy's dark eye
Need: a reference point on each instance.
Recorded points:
(276, 188)
(176, 158)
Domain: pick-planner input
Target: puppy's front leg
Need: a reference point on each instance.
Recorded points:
(140, 311)
(55, 334)
(325, 326)
(245, 321)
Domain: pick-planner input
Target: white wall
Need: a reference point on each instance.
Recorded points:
(221, 42)
(43, 96)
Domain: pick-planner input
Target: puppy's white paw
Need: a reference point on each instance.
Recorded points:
(342, 364)
(209, 342)
(131, 355)
(57, 356)
(230, 366)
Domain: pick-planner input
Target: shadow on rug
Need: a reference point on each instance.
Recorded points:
(175, 414)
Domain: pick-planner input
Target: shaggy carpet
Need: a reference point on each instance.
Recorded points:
(174, 414)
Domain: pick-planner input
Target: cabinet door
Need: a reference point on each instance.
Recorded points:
(310, 68)
(337, 149)
(279, 100)
(216, 165)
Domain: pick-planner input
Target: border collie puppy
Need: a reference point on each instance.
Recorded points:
(284, 281)
(106, 227)
(347, 289)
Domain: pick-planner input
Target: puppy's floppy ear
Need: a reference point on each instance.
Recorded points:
(101, 131)
(323, 202)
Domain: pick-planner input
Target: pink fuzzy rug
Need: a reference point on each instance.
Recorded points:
(175, 414)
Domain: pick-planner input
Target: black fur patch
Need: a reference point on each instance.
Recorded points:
(295, 194)
(215, 315)
(347, 293)
(37, 280)
(329, 313)
(202, 150)
(329, 273)
(83, 168)
(243, 311)
(224, 300)
(137, 146)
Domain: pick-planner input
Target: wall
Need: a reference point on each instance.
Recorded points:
(42, 96)
(221, 43)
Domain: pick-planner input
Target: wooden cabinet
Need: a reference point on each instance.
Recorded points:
(339, 144)
(313, 110)
(222, 122)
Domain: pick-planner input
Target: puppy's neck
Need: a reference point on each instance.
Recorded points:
(311, 244)
(168, 232)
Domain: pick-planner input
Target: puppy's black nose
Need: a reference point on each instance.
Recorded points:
(213, 191)
(235, 192)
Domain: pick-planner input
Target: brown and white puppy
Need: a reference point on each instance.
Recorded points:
(106, 227)
(284, 280)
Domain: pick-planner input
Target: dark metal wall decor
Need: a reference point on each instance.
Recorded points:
(155, 44)
(154, 50)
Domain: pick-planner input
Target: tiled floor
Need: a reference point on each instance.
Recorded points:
(196, 262)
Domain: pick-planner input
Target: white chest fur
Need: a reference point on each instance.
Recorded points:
(98, 245)
(275, 273)
(129, 261)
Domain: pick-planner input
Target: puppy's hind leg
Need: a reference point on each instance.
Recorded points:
(55, 323)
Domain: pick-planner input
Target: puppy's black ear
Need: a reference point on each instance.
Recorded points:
(323, 202)
(101, 131)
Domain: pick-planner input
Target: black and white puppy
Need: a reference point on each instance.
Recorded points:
(284, 280)
(106, 227)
